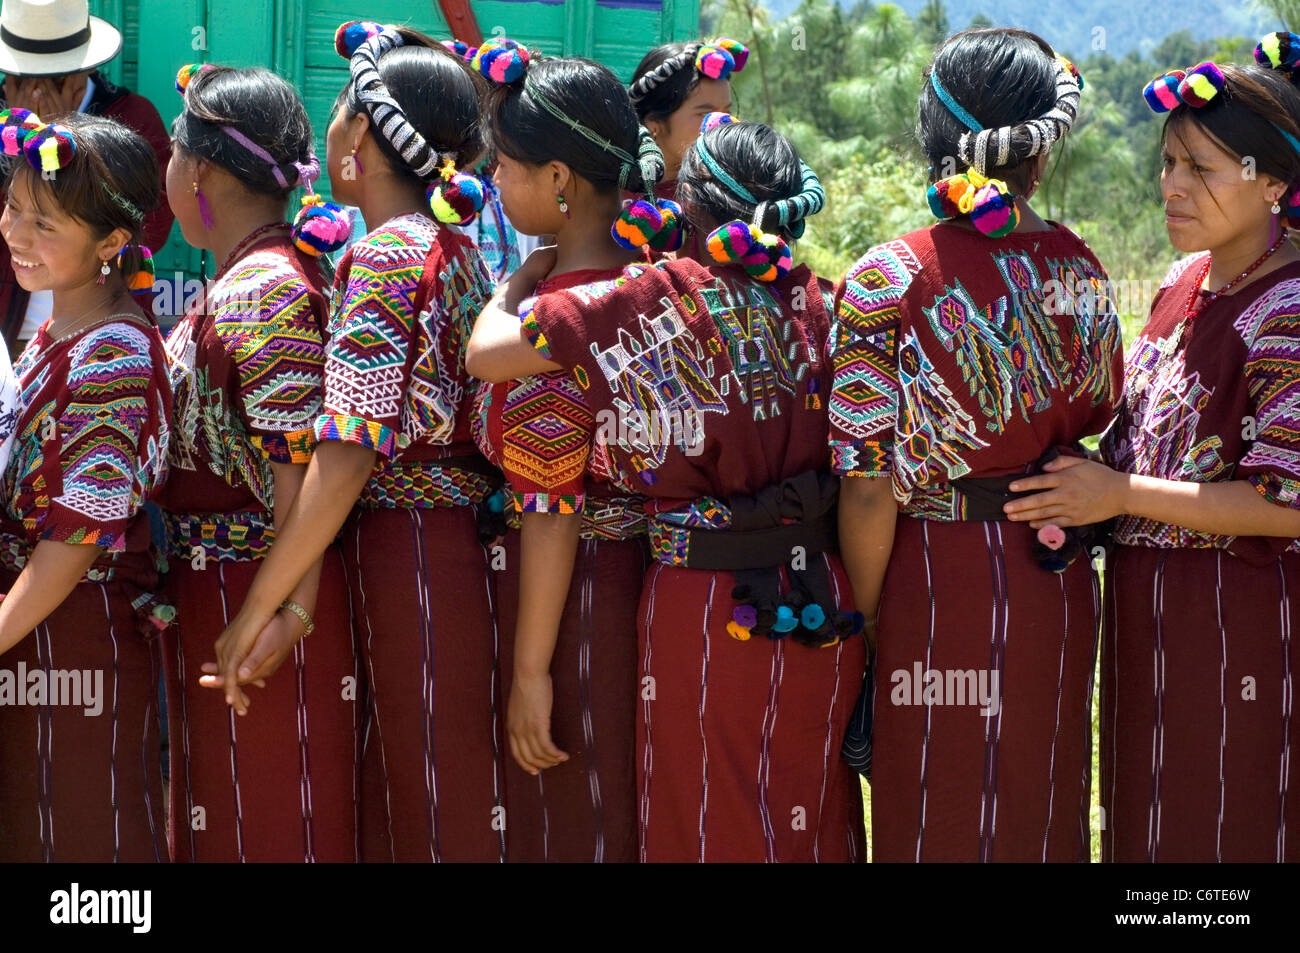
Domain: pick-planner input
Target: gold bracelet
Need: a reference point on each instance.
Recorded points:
(303, 615)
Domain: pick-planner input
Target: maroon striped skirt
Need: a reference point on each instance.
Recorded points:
(280, 783)
(738, 743)
(958, 779)
(1198, 722)
(79, 784)
(583, 809)
(432, 773)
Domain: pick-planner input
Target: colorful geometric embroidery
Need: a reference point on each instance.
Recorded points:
(863, 404)
(528, 321)
(662, 386)
(670, 532)
(603, 517)
(388, 364)
(223, 537)
(546, 433)
(358, 430)
(762, 344)
(108, 460)
(248, 376)
(423, 484)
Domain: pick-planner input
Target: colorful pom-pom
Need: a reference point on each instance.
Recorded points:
(501, 60)
(1052, 536)
(1161, 93)
(764, 256)
(637, 224)
(320, 226)
(187, 73)
(737, 631)
(812, 616)
(463, 50)
(15, 126)
(352, 34)
(1074, 70)
(745, 615)
(995, 213)
(1200, 85)
(786, 621)
(715, 119)
(50, 147)
(1293, 210)
(714, 62)
(456, 199)
(142, 281)
(739, 51)
(1279, 51)
(671, 234)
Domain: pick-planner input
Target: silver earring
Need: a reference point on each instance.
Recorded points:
(1276, 207)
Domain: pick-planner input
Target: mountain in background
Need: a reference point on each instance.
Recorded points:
(1072, 25)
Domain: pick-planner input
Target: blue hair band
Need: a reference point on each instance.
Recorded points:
(721, 175)
(966, 118)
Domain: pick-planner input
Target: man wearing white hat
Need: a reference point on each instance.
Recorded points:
(50, 51)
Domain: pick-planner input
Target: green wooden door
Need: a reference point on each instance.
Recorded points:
(296, 39)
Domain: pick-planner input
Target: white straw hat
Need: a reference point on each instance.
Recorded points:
(53, 37)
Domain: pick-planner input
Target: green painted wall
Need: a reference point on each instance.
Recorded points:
(297, 41)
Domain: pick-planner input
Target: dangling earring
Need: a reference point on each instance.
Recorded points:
(1276, 207)
(205, 211)
(356, 159)
(564, 206)
(103, 273)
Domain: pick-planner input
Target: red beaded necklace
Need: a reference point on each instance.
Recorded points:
(1215, 295)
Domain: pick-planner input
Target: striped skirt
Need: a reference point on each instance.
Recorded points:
(981, 742)
(80, 776)
(432, 772)
(280, 783)
(738, 743)
(583, 810)
(1198, 707)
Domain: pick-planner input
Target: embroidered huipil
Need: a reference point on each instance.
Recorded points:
(541, 433)
(91, 445)
(247, 373)
(692, 360)
(956, 355)
(1225, 405)
(404, 303)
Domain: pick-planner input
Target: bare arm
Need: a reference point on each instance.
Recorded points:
(331, 485)
(867, 514)
(52, 572)
(548, 545)
(1080, 491)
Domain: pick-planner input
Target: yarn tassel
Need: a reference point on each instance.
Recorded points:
(205, 210)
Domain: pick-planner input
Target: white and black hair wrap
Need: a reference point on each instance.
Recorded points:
(992, 148)
(663, 72)
(385, 113)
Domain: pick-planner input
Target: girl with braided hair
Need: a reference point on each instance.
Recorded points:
(568, 144)
(247, 365)
(964, 354)
(1201, 471)
(394, 461)
(701, 389)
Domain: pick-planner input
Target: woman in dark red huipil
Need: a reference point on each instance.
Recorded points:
(1198, 724)
(568, 612)
(713, 384)
(80, 774)
(962, 357)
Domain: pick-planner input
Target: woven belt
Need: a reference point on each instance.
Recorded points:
(224, 537)
(613, 517)
(424, 484)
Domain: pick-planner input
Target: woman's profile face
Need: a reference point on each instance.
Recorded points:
(1211, 196)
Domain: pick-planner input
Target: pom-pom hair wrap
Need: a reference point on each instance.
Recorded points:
(50, 147)
(187, 73)
(455, 198)
(501, 60)
(349, 36)
(1279, 51)
(645, 222)
(15, 126)
(1194, 87)
(320, 226)
(713, 120)
(141, 282)
(764, 256)
(988, 202)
